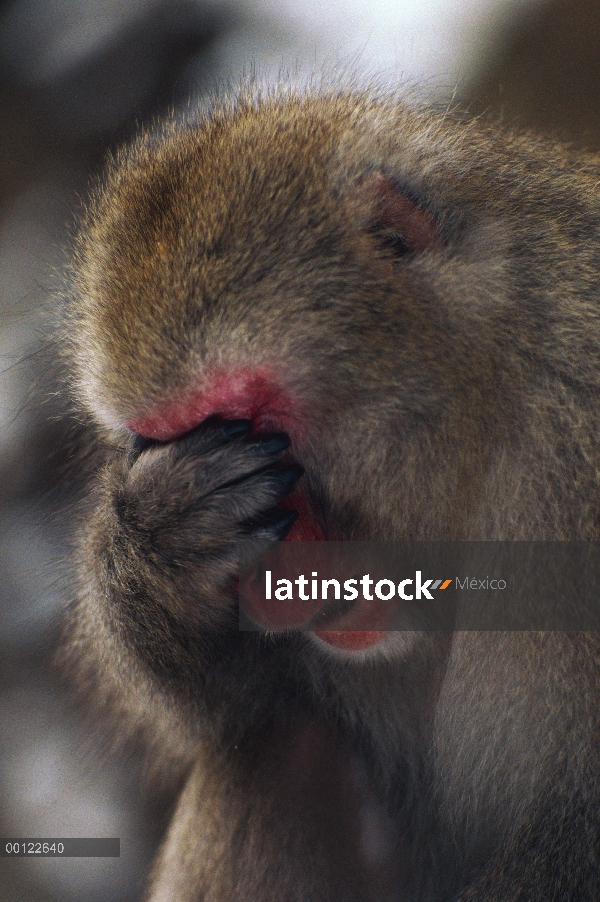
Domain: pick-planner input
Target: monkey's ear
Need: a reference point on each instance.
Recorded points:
(398, 222)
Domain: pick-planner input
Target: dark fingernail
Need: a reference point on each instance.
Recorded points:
(282, 522)
(140, 443)
(289, 476)
(233, 428)
(271, 444)
(221, 430)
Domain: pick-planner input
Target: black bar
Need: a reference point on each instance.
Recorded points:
(19, 847)
(421, 586)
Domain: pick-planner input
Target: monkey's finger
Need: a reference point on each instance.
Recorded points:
(210, 434)
(213, 432)
(279, 481)
(139, 444)
(223, 439)
(207, 457)
(272, 526)
(238, 461)
(230, 506)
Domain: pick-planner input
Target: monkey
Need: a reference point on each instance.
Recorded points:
(321, 315)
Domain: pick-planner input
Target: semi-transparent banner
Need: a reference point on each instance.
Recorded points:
(421, 586)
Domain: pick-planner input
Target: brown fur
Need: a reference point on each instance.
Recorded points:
(451, 391)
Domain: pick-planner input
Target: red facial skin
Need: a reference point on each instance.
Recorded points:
(252, 394)
(248, 394)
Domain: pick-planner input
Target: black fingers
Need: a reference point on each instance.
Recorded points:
(139, 444)
(272, 526)
(215, 432)
(218, 479)
(211, 433)
(272, 444)
(288, 477)
(231, 428)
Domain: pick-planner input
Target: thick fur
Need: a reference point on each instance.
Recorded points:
(449, 390)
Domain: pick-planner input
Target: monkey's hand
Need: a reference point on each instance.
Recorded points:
(154, 633)
(174, 514)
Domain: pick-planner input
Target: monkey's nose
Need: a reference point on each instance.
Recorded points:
(248, 393)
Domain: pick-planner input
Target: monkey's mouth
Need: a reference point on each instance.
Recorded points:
(352, 626)
(256, 395)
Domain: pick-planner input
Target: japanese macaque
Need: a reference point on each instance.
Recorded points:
(339, 316)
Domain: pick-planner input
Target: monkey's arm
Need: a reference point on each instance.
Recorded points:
(155, 630)
(270, 808)
(554, 857)
(284, 816)
(522, 749)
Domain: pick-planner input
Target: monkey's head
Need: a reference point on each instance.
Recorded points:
(324, 266)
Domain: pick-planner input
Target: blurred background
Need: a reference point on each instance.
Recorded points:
(77, 77)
